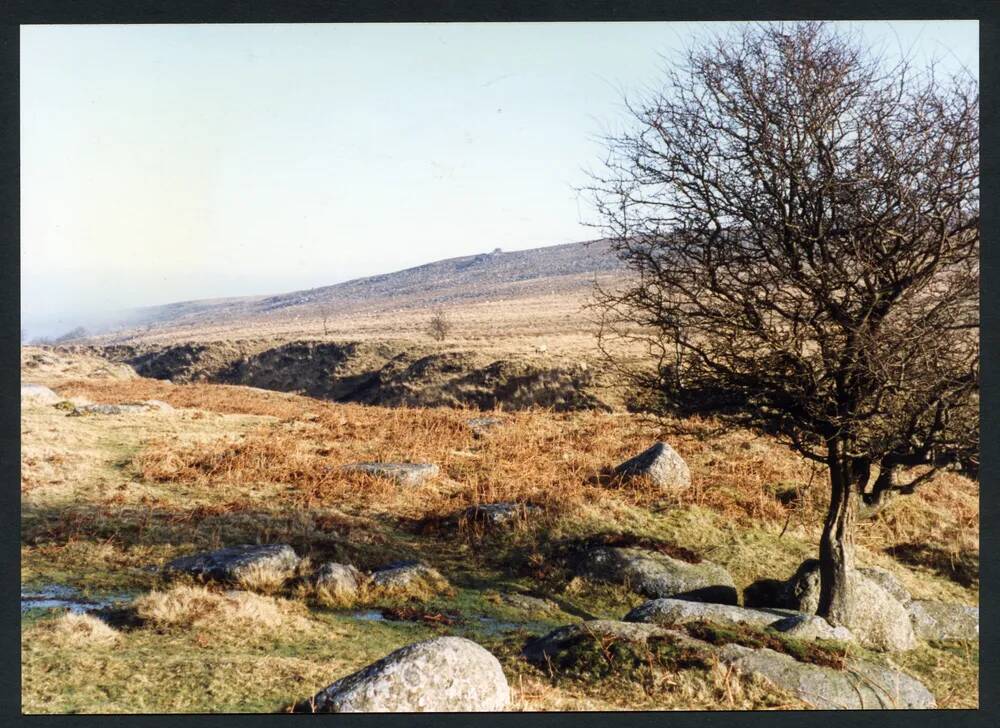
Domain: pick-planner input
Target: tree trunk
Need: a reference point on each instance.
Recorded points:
(882, 494)
(836, 547)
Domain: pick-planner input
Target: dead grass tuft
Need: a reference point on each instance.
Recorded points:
(262, 578)
(79, 631)
(198, 607)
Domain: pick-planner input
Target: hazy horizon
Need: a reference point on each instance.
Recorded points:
(170, 163)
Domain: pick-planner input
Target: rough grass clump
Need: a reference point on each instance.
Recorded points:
(79, 630)
(339, 599)
(263, 578)
(825, 653)
(421, 585)
(592, 658)
(672, 677)
(197, 607)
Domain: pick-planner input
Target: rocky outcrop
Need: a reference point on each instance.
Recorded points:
(407, 579)
(675, 612)
(810, 627)
(110, 409)
(938, 621)
(657, 575)
(660, 464)
(888, 581)
(861, 685)
(272, 562)
(444, 674)
(338, 583)
(878, 621)
(40, 394)
(852, 684)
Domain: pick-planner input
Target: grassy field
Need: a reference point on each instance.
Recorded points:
(108, 499)
(558, 321)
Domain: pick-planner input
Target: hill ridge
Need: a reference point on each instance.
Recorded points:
(563, 269)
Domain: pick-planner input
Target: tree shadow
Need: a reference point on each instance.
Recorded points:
(961, 568)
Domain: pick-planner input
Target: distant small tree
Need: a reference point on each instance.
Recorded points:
(325, 314)
(440, 325)
(803, 225)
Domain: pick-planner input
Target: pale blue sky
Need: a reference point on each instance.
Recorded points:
(162, 163)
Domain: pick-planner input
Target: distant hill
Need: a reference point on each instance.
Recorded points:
(561, 270)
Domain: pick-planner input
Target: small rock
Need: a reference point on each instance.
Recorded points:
(235, 563)
(408, 578)
(401, 473)
(675, 612)
(661, 464)
(444, 674)
(481, 425)
(338, 582)
(657, 575)
(528, 603)
(939, 621)
(499, 514)
(111, 409)
(40, 394)
(810, 627)
(158, 405)
(862, 686)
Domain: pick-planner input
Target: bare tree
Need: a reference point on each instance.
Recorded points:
(439, 325)
(325, 314)
(803, 222)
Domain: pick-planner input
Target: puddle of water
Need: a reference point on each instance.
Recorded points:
(372, 615)
(495, 626)
(56, 596)
(489, 625)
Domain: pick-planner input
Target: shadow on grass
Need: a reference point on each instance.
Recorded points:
(961, 568)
